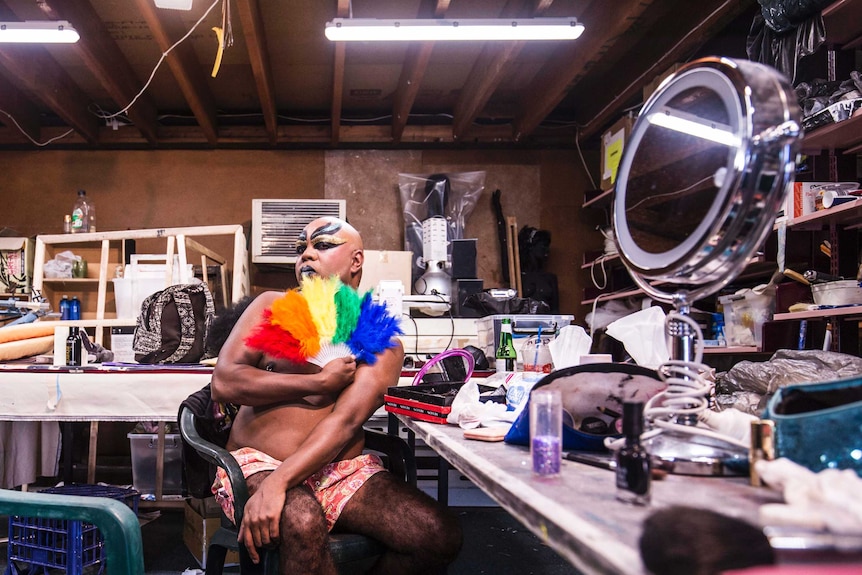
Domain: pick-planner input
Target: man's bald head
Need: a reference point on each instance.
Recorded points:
(330, 246)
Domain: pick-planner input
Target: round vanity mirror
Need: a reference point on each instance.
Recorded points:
(703, 175)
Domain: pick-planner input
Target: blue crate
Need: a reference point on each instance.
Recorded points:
(71, 546)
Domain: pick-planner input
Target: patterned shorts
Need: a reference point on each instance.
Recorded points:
(333, 486)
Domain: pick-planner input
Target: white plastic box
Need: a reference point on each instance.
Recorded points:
(144, 448)
(523, 326)
(744, 316)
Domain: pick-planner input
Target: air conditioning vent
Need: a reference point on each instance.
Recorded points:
(276, 224)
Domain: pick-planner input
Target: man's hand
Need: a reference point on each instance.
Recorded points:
(260, 521)
(337, 374)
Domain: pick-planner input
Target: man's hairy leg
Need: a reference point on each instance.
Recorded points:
(421, 535)
(304, 537)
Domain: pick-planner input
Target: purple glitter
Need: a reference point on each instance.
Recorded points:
(547, 453)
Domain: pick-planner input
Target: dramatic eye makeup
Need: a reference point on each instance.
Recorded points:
(323, 238)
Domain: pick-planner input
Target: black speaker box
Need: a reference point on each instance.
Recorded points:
(462, 288)
(464, 259)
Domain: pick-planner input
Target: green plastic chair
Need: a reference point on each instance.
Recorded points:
(117, 523)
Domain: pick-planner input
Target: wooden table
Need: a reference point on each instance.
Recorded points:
(94, 394)
(577, 513)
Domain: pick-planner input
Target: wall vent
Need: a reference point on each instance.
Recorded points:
(276, 224)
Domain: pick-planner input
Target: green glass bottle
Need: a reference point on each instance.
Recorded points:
(505, 355)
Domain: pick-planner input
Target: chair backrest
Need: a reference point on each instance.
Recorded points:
(116, 522)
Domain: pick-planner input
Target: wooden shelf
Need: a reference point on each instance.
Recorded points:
(607, 259)
(855, 310)
(614, 295)
(602, 200)
(839, 135)
(841, 20)
(731, 349)
(846, 214)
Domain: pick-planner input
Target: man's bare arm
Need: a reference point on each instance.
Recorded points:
(238, 377)
(323, 445)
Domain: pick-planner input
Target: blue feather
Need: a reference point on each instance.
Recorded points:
(374, 331)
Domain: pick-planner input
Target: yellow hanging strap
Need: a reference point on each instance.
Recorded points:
(220, 36)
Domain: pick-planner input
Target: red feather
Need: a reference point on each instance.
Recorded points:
(275, 341)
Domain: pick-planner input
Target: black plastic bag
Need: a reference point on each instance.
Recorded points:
(785, 15)
(487, 303)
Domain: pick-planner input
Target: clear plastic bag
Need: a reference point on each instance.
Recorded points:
(451, 196)
(60, 266)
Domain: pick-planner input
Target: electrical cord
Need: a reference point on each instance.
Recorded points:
(686, 394)
(471, 362)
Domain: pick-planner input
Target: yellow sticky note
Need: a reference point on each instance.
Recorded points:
(614, 154)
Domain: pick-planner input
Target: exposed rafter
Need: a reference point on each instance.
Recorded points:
(571, 62)
(489, 69)
(14, 103)
(258, 55)
(413, 70)
(167, 28)
(102, 56)
(35, 69)
(338, 78)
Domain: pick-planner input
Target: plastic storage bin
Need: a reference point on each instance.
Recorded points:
(144, 448)
(71, 546)
(523, 326)
(744, 316)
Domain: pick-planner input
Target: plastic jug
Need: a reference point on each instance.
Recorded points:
(537, 356)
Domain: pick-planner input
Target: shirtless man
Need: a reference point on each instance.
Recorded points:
(299, 421)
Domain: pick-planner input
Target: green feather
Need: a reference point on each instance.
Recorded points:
(347, 305)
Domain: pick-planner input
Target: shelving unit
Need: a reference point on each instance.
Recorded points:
(98, 304)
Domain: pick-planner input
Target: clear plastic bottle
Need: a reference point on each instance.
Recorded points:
(67, 224)
(83, 213)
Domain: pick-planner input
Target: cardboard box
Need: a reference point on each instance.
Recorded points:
(201, 523)
(16, 265)
(656, 82)
(613, 142)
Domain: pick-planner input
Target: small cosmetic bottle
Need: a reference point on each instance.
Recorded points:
(633, 461)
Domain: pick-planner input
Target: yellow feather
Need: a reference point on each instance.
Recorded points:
(320, 295)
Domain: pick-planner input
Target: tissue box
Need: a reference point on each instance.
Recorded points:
(744, 316)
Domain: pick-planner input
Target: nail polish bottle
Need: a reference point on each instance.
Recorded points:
(633, 462)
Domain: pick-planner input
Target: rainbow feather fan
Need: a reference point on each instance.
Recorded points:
(324, 320)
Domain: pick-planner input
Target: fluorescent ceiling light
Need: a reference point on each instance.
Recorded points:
(38, 32)
(373, 30)
(693, 126)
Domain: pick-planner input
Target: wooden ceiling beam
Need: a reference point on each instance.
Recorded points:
(413, 70)
(490, 69)
(100, 53)
(342, 11)
(35, 69)
(605, 23)
(17, 112)
(258, 54)
(167, 27)
(693, 23)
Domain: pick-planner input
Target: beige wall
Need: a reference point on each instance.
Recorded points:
(151, 189)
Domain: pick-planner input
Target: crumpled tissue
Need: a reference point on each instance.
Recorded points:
(468, 412)
(570, 344)
(643, 335)
(826, 500)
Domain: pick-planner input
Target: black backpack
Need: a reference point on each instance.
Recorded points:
(173, 325)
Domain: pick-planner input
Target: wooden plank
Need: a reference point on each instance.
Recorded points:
(258, 54)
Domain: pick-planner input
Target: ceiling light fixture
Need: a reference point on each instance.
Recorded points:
(38, 32)
(374, 30)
